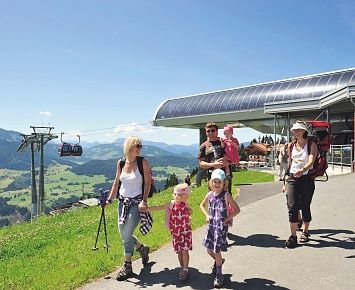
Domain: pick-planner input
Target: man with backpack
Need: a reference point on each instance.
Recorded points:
(211, 153)
(299, 183)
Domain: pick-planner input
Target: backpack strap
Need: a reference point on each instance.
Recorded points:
(309, 144)
(141, 170)
(122, 163)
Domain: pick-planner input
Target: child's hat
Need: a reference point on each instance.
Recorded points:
(182, 189)
(228, 128)
(218, 174)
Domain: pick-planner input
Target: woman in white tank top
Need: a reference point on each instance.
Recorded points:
(133, 195)
(299, 185)
(299, 156)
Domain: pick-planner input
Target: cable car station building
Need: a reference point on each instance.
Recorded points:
(270, 108)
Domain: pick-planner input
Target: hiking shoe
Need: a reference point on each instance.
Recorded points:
(183, 275)
(291, 243)
(214, 268)
(125, 272)
(144, 253)
(218, 281)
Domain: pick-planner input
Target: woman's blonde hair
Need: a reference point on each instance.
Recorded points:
(129, 143)
(225, 184)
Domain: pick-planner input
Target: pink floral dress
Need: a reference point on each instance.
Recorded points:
(180, 226)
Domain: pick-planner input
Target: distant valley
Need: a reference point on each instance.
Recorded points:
(95, 168)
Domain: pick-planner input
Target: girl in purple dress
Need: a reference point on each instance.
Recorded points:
(217, 217)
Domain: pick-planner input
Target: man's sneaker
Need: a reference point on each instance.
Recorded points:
(125, 272)
(291, 243)
(218, 281)
(144, 253)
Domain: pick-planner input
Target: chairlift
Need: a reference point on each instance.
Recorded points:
(65, 149)
(76, 149)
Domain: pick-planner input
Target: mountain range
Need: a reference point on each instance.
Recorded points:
(94, 155)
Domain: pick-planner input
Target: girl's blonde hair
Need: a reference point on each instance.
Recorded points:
(129, 143)
(225, 184)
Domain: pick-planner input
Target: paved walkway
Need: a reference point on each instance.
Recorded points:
(256, 257)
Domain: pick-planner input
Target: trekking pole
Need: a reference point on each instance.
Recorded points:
(103, 199)
(105, 229)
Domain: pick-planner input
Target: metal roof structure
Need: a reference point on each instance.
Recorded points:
(259, 101)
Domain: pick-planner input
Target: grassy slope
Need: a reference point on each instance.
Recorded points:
(55, 252)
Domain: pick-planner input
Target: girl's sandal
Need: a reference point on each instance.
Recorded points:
(304, 237)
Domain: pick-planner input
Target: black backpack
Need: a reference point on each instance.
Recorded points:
(141, 171)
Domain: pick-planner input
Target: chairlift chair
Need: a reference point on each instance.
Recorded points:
(76, 149)
(65, 149)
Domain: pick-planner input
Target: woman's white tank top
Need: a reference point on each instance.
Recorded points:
(299, 159)
(131, 183)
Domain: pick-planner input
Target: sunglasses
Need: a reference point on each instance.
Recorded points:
(211, 131)
(139, 146)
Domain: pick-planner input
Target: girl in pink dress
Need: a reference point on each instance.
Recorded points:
(178, 220)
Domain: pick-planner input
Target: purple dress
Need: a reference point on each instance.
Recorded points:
(216, 236)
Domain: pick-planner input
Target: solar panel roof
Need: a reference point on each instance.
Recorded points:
(255, 96)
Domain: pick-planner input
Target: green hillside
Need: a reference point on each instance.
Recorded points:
(55, 252)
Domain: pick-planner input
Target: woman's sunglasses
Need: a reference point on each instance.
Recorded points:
(139, 146)
(211, 131)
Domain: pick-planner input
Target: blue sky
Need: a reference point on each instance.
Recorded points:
(101, 68)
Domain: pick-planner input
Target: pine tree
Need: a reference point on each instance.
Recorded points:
(172, 180)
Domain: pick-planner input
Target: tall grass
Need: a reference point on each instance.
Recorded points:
(55, 252)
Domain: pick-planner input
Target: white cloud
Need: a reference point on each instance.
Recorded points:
(128, 128)
(46, 113)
